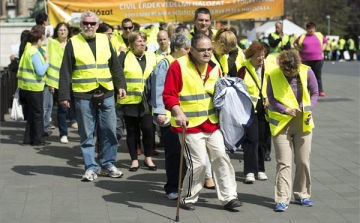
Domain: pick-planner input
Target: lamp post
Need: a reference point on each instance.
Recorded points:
(328, 18)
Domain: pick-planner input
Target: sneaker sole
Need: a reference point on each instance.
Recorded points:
(112, 176)
(304, 205)
(88, 180)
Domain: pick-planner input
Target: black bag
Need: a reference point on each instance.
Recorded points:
(14, 65)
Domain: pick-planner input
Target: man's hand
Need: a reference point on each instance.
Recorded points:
(65, 103)
(266, 103)
(122, 49)
(52, 90)
(161, 119)
(122, 93)
(180, 119)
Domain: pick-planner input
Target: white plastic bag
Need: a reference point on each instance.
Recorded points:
(16, 110)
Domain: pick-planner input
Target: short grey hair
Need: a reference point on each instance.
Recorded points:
(89, 14)
(179, 40)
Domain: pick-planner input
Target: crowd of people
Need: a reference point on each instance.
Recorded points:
(111, 79)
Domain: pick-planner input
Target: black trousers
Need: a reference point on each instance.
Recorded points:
(34, 130)
(256, 142)
(316, 66)
(132, 125)
(172, 149)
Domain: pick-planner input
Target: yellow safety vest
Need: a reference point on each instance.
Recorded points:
(151, 34)
(223, 62)
(192, 33)
(196, 96)
(27, 78)
(253, 86)
(351, 44)
(88, 73)
(160, 56)
(270, 64)
(342, 43)
(276, 50)
(135, 77)
(118, 41)
(284, 94)
(56, 52)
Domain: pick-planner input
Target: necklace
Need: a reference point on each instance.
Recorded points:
(140, 57)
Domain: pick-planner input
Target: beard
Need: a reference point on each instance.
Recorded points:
(88, 33)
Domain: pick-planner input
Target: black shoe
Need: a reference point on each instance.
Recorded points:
(233, 204)
(26, 143)
(188, 206)
(268, 158)
(41, 144)
(48, 133)
(133, 168)
(152, 168)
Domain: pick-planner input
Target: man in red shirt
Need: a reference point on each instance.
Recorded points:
(188, 94)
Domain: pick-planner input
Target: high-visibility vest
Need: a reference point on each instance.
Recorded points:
(318, 35)
(276, 50)
(135, 77)
(192, 33)
(223, 62)
(342, 43)
(334, 45)
(351, 44)
(195, 96)
(117, 41)
(151, 34)
(89, 73)
(27, 78)
(253, 86)
(271, 62)
(56, 52)
(160, 56)
(284, 94)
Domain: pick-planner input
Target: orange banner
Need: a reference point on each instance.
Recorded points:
(152, 11)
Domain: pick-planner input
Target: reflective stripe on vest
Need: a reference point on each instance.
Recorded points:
(56, 52)
(89, 73)
(135, 77)
(27, 78)
(284, 94)
(195, 100)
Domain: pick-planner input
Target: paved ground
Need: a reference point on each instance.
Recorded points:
(42, 185)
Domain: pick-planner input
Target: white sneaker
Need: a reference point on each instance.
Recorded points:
(261, 176)
(64, 140)
(74, 125)
(89, 176)
(112, 172)
(172, 196)
(250, 178)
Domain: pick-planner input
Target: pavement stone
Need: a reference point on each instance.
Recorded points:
(42, 184)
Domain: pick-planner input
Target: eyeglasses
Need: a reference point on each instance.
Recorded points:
(89, 23)
(203, 50)
(127, 28)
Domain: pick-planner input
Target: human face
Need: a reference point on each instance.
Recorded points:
(310, 30)
(258, 58)
(163, 40)
(278, 28)
(127, 28)
(202, 23)
(202, 52)
(221, 49)
(108, 33)
(179, 52)
(139, 45)
(62, 32)
(89, 27)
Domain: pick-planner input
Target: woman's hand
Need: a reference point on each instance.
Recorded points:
(161, 119)
(52, 90)
(293, 112)
(266, 103)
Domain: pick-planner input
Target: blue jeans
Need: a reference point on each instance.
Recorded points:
(86, 116)
(61, 120)
(48, 106)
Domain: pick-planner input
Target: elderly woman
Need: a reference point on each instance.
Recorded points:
(254, 74)
(137, 64)
(292, 92)
(32, 68)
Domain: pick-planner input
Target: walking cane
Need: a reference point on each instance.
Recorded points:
(180, 170)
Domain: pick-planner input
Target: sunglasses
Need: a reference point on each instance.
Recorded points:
(127, 28)
(89, 23)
